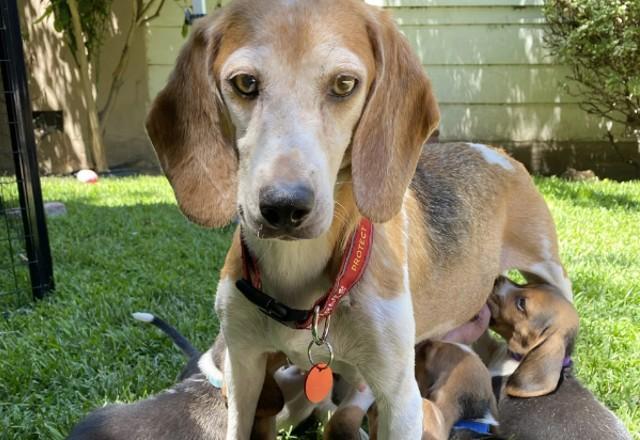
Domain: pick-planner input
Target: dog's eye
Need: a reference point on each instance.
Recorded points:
(521, 303)
(343, 85)
(245, 85)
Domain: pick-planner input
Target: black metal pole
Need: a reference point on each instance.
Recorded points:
(14, 76)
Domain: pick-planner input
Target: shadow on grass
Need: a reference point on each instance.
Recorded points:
(584, 195)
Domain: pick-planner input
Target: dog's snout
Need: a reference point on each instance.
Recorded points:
(286, 205)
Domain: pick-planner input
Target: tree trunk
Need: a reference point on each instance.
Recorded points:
(97, 144)
(118, 73)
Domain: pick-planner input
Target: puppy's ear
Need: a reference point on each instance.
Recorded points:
(191, 133)
(539, 372)
(399, 115)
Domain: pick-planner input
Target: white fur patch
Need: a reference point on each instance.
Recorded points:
(208, 368)
(362, 399)
(143, 316)
(552, 272)
(488, 419)
(492, 156)
(464, 347)
(501, 363)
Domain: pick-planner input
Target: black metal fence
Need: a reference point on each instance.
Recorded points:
(25, 259)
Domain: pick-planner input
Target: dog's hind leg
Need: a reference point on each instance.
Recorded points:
(530, 240)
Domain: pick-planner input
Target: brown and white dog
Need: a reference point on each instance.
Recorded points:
(300, 117)
(539, 397)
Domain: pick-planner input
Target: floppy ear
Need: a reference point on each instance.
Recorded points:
(190, 131)
(400, 114)
(539, 372)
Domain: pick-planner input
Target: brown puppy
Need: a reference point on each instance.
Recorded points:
(540, 326)
(454, 378)
(195, 408)
(454, 384)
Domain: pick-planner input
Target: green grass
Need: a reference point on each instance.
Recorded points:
(124, 247)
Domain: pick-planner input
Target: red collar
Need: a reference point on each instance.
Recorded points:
(352, 267)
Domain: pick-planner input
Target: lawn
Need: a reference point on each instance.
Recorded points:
(125, 247)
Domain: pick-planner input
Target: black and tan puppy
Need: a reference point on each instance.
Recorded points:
(193, 409)
(539, 396)
(454, 384)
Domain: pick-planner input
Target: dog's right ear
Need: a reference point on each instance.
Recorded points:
(190, 130)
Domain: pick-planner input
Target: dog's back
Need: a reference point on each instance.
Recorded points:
(570, 413)
(171, 415)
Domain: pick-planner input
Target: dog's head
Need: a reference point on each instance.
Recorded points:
(269, 101)
(540, 326)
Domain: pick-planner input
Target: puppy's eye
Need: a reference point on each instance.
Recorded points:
(521, 304)
(343, 85)
(245, 85)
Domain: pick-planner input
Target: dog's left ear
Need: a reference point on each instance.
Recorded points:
(400, 114)
(539, 372)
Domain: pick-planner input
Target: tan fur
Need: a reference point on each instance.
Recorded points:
(192, 136)
(398, 119)
(344, 424)
(233, 261)
(544, 334)
(448, 375)
(433, 421)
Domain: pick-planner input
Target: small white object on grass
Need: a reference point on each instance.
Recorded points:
(87, 176)
(142, 316)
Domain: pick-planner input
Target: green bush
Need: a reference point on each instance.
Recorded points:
(600, 42)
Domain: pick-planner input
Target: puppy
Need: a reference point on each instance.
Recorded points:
(193, 409)
(539, 397)
(454, 384)
(454, 378)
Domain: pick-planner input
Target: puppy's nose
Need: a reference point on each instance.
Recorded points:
(286, 205)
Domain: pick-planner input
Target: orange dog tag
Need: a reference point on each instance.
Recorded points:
(318, 383)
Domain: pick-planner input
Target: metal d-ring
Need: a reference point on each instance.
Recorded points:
(314, 327)
(329, 348)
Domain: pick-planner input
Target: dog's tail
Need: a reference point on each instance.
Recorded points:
(177, 338)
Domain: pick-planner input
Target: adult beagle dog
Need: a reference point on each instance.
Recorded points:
(305, 120)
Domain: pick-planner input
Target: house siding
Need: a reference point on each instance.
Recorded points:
(493, 78)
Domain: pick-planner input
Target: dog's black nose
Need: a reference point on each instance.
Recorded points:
(286, 205)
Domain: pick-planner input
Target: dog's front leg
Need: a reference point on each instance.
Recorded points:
(244, 375)
(389, 368)
(399, 404)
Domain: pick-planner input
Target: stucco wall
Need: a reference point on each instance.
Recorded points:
(54, 85)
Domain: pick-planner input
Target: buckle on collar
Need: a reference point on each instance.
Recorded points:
(270, 306)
